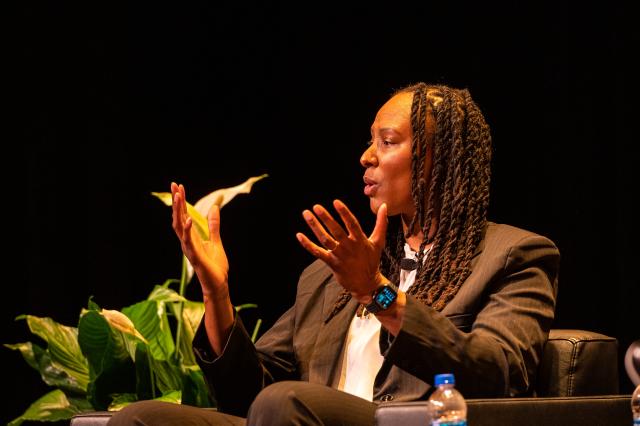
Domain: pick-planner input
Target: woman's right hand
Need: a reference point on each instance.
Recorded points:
(208, 258)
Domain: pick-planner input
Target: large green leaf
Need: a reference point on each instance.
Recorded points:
(121, 400)
(145, 382)
(120, 377)
(150, 319)
(173, 396)
(62, 345)
(110, 352)
(168, 375)
(100, 343)
(30, 352)
(40, 360)
(153, 375)
(52, 407)
(194, 388)
(54, 376)
(162, 293)
(192, 313)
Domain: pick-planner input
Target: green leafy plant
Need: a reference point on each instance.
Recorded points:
(113, 358)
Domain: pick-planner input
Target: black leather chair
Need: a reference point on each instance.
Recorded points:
(578, 363)
(606, 410)
(577, 384)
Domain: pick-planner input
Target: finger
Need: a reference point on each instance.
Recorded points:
(214, 224)
(318, 230)
(350, 221)
(187, 241)
(183, 204)
(174, 191)
(176, 200)
(334, 227)
(177, 222)
(379, 233)
(186, 234)
(315, 250)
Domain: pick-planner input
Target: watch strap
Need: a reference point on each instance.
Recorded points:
(383, 298)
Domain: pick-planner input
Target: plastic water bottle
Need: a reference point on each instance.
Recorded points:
(446, 404)
(635, 406)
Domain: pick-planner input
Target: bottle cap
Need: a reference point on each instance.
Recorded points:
(443, 379)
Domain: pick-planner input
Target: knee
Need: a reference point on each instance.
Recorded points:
(277, 404)
(142, 413)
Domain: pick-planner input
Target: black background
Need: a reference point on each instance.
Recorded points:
(117, 100)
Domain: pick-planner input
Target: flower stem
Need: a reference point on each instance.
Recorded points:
(183, 286)
(255, 330)
(151, 375)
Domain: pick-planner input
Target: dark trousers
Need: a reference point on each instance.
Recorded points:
(283, 403)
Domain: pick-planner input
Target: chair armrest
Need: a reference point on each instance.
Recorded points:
(91, 418)
(556, 411)
(578, 363)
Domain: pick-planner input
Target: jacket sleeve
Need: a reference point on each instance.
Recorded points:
(236, 376)
(500, 354)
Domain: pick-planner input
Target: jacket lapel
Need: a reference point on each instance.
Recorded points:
(326, 361)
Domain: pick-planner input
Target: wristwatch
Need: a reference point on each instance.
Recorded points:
(383, 297)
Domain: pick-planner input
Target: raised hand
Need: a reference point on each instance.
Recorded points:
(353, 257)
(207, 257)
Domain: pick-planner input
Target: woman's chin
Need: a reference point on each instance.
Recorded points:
(374, 205)
(392, 209)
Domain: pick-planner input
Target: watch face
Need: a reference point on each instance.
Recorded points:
(385, 297)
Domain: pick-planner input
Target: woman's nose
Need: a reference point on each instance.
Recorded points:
(368, 157)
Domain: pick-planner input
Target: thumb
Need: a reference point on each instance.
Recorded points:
(214, 224)
(380, 231)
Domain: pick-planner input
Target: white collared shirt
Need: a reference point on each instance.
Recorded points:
(361, 357)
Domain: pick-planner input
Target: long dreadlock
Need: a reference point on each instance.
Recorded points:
(457, 197)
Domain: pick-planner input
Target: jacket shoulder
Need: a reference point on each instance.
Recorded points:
(313, 276)
(508, 236)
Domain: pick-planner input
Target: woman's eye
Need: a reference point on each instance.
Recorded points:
(381, 142)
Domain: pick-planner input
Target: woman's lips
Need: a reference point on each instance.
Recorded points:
(369, 190)
(370, 187)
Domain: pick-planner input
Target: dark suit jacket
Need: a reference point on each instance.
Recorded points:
(490, 335)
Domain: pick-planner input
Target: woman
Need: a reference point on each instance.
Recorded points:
(435, 287)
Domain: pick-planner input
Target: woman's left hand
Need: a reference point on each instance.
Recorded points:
(353, 257)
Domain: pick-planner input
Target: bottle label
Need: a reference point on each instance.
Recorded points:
(636, 422)
(450, 423)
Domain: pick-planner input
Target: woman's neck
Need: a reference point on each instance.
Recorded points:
(417, 236)
(414, 241)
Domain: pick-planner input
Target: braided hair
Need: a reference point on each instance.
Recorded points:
(448, 123)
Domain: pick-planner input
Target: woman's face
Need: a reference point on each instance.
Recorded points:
(387, 160)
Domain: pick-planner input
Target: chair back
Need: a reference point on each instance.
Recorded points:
(578, 363)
